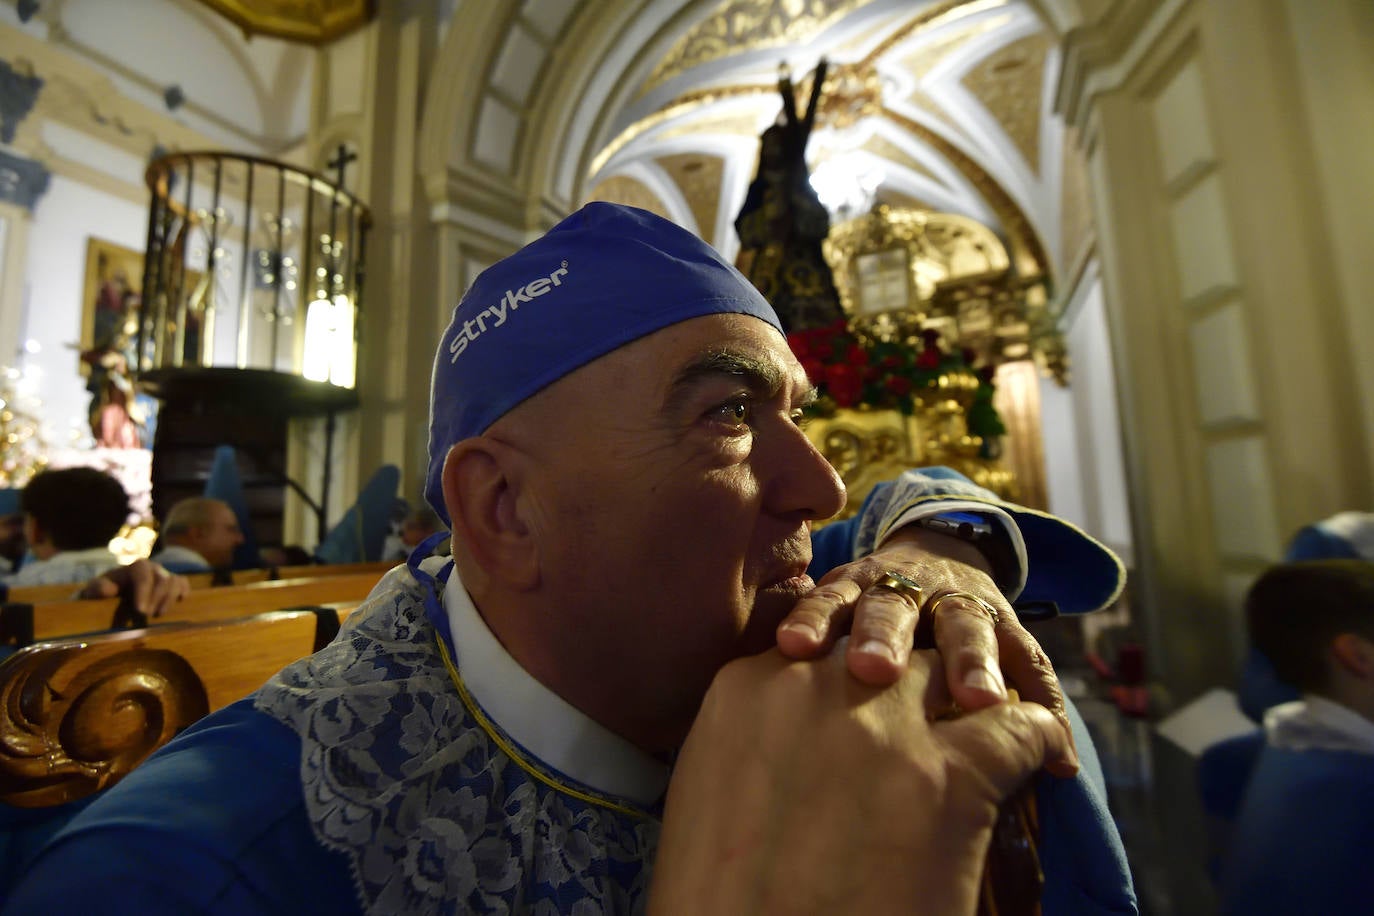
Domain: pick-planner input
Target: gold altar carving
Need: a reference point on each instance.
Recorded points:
(906, 275)
(869, 446)
(901, 271)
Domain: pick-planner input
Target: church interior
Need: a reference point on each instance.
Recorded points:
(1119, 238)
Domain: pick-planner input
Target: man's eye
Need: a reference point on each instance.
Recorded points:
(734, 412)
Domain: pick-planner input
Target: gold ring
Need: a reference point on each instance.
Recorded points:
(902, 585)
(934, 604)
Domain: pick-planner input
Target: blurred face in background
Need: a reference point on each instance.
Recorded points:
(216, 538)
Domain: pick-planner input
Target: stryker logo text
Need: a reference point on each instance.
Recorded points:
(499, 312)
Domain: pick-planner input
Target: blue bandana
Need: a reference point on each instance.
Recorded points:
(605, 276)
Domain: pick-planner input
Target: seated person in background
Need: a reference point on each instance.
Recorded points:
(1345, 535)
(417, 525)
(1301, 843)
(70, 517)
(199, 534)
(615, 447)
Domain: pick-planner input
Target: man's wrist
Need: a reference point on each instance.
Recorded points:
(983, 532)
(985, 527)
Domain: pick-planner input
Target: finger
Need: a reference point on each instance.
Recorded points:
(938, 701)
(818, 619)
(1028, 669)
(99, 588)
(965, 635)
(142, 581)
(1001, 746)
(168, 590)
(881, 636)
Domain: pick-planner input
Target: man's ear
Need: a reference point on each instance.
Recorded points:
(481, 483)
(1355, 654)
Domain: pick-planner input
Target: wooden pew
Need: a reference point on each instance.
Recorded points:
(36, 594)
(21, 624)
(76, 715)
(33, 594)
(329, 569)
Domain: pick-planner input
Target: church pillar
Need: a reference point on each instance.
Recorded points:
(1241, 345)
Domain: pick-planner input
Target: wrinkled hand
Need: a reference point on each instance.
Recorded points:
(802, 790)
(151, 587)
(882, 624)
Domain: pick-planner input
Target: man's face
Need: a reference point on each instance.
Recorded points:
(217, 538)
(673, 488)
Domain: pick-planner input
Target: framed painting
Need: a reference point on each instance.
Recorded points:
(110, 299)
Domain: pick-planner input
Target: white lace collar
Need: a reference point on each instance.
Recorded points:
(545, 724)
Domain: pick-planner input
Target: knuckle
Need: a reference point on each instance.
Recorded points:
(829, 592)
(888, 628)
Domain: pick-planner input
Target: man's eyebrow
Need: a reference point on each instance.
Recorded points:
(760, 377)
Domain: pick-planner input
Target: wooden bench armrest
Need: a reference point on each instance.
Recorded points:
(76, 715)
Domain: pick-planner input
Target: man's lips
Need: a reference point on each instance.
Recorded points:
(792, 579)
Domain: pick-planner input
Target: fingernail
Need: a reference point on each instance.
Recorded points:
(802, 629)
(877, 647)
(985, 680)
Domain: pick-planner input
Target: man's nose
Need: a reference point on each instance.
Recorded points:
(803, 482)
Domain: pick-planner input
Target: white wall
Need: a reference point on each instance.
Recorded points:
(1085, 467)
(66, 216)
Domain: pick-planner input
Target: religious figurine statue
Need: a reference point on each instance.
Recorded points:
(783, 222)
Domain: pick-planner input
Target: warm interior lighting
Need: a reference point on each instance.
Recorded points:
(319, 331)
(341, 362)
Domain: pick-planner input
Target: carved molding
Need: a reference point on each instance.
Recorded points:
(77, 719)
(18, 94)
(1090, 52)
(22, 181)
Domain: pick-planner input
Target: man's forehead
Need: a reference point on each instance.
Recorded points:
(731, 344)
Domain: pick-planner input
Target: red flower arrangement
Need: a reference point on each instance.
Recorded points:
(851, 371)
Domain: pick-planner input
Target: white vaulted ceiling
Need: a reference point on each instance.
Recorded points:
(661, 102)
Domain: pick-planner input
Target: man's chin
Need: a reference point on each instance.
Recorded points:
(772, 604)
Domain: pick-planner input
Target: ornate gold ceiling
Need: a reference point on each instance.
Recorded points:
(737, 24)
(313, 22)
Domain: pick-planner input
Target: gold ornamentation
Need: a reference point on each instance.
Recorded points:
(935, 248)
(621, 189)
(315, 22)
(851, 93)
(1008, 83)
(867, 447)
(739, 25)
(23, 453)
(1026, 252)
(900, 272)
(698, 176)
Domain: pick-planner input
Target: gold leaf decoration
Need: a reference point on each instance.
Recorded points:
(749, 25)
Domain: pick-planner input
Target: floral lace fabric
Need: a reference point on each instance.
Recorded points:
(437, 810)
